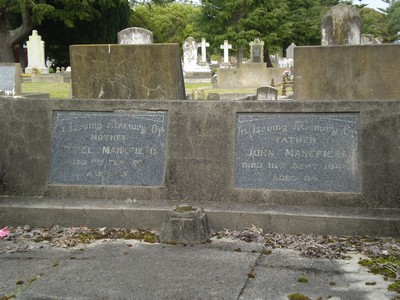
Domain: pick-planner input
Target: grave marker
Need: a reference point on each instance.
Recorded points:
(301, 151)
(226, 46)
(135, 36)
(36, 61)
(341, 25)
(10, 79)
(257, 51)
(108, 148)
(203, 47)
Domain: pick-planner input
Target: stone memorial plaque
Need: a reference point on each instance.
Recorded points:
(297, 151)
(108, 148)
(7, 79)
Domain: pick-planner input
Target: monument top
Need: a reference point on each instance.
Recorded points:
(341, 25)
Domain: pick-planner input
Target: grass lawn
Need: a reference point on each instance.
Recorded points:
(62, 90)
(56, 90)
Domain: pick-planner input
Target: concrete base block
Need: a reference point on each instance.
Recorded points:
(185, 224)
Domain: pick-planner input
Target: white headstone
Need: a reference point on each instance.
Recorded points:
(226, 46)
(203, 47)
(189, 55)
(135, 36)
(290, 50)
(36, 61)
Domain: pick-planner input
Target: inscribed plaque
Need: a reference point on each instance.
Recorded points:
(108, 148)
(297, 151)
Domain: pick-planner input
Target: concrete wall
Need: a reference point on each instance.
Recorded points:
(368, 72)
(249, 75)
(200, 152)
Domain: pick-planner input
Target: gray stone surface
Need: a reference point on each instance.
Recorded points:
(128, 269)
(119, 148)
(127, 72)
(344, 73)
(341, 25)
(10, 79)
(200, 151)
(185, 224)
(308, 151)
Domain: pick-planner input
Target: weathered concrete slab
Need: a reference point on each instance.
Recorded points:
(367, 72)
(151, 71)
(127, 269)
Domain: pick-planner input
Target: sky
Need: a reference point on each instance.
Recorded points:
(375, 4)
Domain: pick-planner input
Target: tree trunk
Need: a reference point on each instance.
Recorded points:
(267, 59)
(6, 49)
(9, 38)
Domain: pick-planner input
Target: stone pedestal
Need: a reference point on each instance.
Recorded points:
(186, 224)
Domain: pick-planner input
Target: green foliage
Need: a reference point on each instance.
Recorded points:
(393, 15)
(373, 22)
(170, 23)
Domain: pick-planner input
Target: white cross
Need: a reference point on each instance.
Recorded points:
(226, 48)
(203, 46)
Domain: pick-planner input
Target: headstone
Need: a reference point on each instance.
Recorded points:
(10, 79)
(257, 51)
(203, 47)
(226, 46)
(300, 151)
(127, 72)
(191, 67)
(36, 60)
(135, 36)
(267, 93)
(290, 51)
(109, 148)
(341, 25)
(189, 55)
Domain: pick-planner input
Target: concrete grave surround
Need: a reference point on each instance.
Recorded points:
(10, 79)
(127, 72)
(341, 25)
(135, 36)
(36, 55)
(204, 161)
(368, 72)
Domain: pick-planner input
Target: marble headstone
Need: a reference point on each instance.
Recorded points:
(190, 55)
(36, 57)
(341, 25)
(135, 36)
(290, 51)
(10, 79)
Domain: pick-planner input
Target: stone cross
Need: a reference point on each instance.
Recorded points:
(203, 46)
(226, 46)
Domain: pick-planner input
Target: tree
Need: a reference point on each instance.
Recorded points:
(393, 15)
(19, 17)
(170, 23)
(241, 21)
(373, 22)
